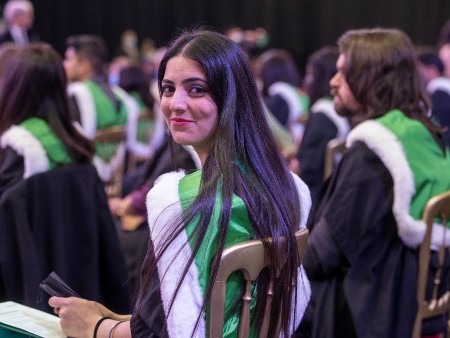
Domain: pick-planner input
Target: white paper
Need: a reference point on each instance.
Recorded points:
(31, 320)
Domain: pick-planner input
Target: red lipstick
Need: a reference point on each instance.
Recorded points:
(179, 122)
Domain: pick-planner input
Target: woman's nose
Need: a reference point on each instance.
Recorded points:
(178, 101)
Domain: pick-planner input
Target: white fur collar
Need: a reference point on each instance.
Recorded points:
(163, 205)
(303, 287)
(326, 107)
(27, 146)
(387, 147)
(440, 83)
(86, 107)
(289, 94)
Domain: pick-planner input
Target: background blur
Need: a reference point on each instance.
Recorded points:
(300, 26)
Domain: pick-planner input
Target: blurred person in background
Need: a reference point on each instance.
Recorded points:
(19, 18)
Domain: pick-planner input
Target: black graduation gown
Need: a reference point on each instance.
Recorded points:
(363, 276)
(60, 221)
(319, 130)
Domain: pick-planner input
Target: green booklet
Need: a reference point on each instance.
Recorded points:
(18, 321)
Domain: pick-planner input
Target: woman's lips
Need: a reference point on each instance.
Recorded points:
(179, 122)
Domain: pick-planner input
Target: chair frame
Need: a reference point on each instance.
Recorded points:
(437, 206)
(113, 134)
(334, 146)
(250, 258)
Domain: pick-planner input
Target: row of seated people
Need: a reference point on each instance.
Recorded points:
(76, 149)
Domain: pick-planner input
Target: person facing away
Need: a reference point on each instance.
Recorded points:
(36, 127)
(244, 190)
(323, 124)
(280, 87)
(362, 251)
(438, 87)
(19, 18)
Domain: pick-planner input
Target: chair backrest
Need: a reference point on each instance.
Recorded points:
(250, 258)
(437, 207)
(110, 158)
(333, 153)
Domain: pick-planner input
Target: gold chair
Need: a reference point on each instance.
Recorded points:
(335, 149)
(437, 207)
(110, 151)
(250, 258)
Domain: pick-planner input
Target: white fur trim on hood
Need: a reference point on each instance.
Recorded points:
(288, 93)
(303, 294)
(26, 145)
(107, 169)
(390, 151)
(440, 83)
(132, 107)
(163, 207)
(326, 107)
(86, 107)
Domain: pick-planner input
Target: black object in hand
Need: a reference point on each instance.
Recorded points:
(55, 286)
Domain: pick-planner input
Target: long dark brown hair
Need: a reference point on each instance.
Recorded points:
(381, 71)
(33, 84)
(243, 160)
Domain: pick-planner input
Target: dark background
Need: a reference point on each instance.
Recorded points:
(300, 26)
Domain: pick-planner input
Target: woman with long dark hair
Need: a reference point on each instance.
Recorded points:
(36, 126)
(244, 191)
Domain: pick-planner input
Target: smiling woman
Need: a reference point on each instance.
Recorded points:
(188, 106)
(244, 191)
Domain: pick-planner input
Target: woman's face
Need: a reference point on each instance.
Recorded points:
(189, 109)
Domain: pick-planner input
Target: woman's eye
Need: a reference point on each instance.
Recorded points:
(167, 90)
(197, 90)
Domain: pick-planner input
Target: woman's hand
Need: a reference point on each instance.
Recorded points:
(78, 316)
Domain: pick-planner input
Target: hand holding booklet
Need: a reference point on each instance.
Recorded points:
(17, 320)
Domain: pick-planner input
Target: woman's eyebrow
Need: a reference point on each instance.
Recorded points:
(189, 79)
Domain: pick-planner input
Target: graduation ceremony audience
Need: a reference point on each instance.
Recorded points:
(224, 141)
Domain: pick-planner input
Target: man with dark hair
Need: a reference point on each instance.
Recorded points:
(99, 105)
(362, 251)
